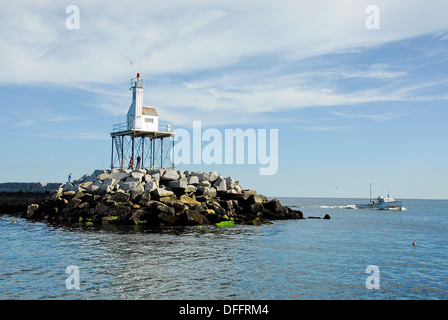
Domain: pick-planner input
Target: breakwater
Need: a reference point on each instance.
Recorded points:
(16, 196)
(154, 197)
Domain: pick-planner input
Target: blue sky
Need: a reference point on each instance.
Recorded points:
(353, 106)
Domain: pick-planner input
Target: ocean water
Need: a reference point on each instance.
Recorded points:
(293, 259)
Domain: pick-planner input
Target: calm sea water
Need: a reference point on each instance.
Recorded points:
(296, 259)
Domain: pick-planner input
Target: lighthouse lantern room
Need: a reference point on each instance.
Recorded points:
(138, 142)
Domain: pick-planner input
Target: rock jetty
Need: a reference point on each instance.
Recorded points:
(158, 197)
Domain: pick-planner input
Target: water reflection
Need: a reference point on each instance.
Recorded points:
(127, 262)
(301, 259)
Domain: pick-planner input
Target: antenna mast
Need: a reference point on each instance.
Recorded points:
(132, 70)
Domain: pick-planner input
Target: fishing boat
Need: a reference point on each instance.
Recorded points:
(382, 203)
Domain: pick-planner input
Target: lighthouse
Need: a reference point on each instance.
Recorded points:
(140, 136)
(140, 117)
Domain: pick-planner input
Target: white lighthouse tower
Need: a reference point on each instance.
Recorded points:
(139, 140)
(140, 117)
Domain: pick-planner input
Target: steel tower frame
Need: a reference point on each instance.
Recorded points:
(156, 149)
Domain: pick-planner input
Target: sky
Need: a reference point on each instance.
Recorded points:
(357, 96)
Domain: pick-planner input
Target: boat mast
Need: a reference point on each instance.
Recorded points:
(370, 193)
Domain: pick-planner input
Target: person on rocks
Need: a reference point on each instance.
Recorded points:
(131, 163)
(138, 162)
(70, 178)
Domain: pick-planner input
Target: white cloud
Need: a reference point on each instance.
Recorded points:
(325, 128)
(269, 93)
(376, 71)
(212, 58)
(379, 117)
(181, 37)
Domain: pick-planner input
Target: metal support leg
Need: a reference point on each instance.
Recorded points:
(153, 149)
(172, 159)
(143, 152)
(161, 153)
(112, 155)
(122, 153)
(132, 154)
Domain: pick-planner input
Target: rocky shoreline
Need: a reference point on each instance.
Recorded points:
(157, 198)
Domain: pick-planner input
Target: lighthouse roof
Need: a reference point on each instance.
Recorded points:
(149, 111)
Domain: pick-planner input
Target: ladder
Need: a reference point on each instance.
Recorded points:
(119, 147)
